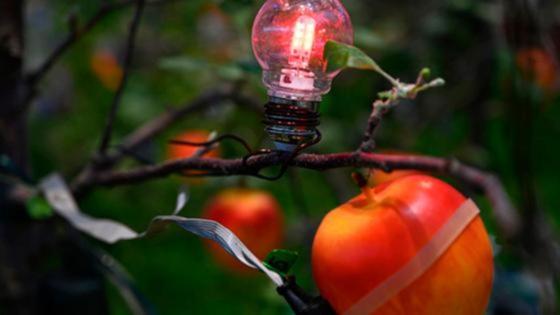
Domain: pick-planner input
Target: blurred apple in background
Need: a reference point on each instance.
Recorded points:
(106, 68)
(254, 216)
(378, 177)
(538, 66)
(183, 151)
(365, 241)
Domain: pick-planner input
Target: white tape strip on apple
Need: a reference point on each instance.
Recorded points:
(418, 265)
(59, 197)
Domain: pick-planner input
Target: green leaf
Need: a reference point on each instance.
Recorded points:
(340, 56)
(281, 261)
(38, 208)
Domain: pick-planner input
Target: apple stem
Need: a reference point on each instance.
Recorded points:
(362, 182)
(367, 193)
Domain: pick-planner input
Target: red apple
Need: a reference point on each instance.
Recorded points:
(366, 240)
(253, 215)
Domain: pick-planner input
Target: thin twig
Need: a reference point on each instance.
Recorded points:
(206, 100)
(160, 123)
(215, 141)
(377, 113)
(392, 98)
(76, 34)
(131, 40)
(72, 38)
(153, 127)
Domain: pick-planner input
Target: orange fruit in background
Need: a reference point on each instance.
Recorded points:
(538, 66)
(183, 151)
(254, 216)
(106, 68)
(360, 244)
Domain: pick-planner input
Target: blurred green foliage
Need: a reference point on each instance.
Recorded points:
(187, 47)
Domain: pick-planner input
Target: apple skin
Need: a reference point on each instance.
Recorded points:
(363, 242)
(254, 216)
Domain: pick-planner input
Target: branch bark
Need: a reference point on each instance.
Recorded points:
(130, 45)
(504, 212)
(76, 34)
(21, 240)
(157, 125)
(152, 128)
(12, 128)
(377, 113)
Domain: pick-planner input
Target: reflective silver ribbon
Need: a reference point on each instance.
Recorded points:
(61, 200)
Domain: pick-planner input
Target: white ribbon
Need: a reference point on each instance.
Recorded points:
(59, 197)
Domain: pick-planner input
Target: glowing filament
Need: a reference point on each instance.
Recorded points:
(302, 42)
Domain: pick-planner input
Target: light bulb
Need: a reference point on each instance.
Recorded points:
(289, 38)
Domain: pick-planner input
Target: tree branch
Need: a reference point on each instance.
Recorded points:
(504, 213)
(76, 34)
(157, 125)
(160, 123)
(392, 98)
(368, 142)
(133, 31)
(73, 37)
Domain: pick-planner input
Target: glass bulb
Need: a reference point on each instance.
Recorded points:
(289, 38)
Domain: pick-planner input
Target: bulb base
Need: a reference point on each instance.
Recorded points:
(296, 84)
(291, 123)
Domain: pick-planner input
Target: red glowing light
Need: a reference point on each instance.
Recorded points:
(289, 37)
(302, 42)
